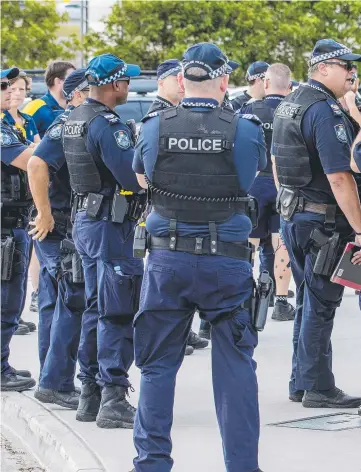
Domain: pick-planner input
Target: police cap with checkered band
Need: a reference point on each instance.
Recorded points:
(210, 58)
(257, 70)
(329, 49)
(107, 68)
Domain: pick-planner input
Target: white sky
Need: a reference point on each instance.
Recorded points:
(98, 9)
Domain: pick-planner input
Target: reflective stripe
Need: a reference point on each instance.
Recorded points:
(32, 107)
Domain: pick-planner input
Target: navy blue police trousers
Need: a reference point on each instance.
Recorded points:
(112, 286)
(13, 294)
(316, 301)
(61, 305)
(175, 285)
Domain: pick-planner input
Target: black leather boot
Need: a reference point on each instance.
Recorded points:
(196, 342)
(89, 402)
(64, 399)
(333, 398)
(115, 410)
(14, 383)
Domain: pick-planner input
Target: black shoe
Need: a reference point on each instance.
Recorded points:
(64, 399)
(291, 294)
(34, 301)
(115, 410)
(89, 403)
(334, 398)
(189, 351)
(205, 333)
(14, 383)
(283, 312)
(196, 342)
(297, 396)
(22, 329)
(29, 324)
(22, 373)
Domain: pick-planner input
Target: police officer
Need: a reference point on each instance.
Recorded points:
(44, 110)
(254, 77)
(98, 148)
(312, 137)
(15, 243)
(61, 301)
(277, 84)
(199, 259)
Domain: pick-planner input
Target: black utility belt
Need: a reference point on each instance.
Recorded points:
(12, 222)
(202, 246)
(118, 207)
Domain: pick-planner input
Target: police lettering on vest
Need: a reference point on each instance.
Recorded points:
(208, 144)
(74, 128)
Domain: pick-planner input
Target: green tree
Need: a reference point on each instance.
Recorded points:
(147, 32)
(29, 34)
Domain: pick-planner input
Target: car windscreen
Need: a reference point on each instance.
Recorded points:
(132, 110)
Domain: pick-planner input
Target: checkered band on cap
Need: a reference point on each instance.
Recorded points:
(261, 75)
(79, 88)
(225, 69)
(329, 55)
(169, 72)
(113, 77)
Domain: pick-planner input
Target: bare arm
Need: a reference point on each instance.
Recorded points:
(141, 181)
(345, 190)
(37, 139)
(354, 166)
(21, 161)
(38, 173)
(275, 176)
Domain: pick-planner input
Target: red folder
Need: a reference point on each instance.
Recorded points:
(346, 273)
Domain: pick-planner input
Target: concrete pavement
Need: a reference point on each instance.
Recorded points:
(196, 441)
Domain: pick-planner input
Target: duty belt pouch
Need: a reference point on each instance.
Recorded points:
(253, 212)
(94, 204)
(7, 258)
(287, 201)
(119, 208)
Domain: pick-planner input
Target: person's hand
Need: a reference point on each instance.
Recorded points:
(356, 259)
(358, 240)
(43, 224)
(350, 99)
(356, 85)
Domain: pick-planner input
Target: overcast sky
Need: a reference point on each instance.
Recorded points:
(98, 9)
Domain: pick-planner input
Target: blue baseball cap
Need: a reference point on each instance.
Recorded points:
(168, 67)
(210, 58)
(256, 70)
(328, 49)
(10, 73)
(108, 68)
(76, 81)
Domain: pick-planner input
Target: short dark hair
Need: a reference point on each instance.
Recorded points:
(57, 70)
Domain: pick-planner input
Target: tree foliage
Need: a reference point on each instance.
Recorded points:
(29, 33)
(147, 32)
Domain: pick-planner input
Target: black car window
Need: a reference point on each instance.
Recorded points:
(145, 106)
(130, 111)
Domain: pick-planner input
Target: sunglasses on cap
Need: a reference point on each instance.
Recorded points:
(346, 65)
(125, 79)
(5, 85)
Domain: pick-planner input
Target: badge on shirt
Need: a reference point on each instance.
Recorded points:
(341, 133)
(336, 109)
(122, 139)
(55, 132)
(5, 139)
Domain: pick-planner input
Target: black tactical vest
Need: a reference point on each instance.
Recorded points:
(239, 101)
(266, 114)
(290, 150)
(86, 174)
(158, 104)
(194, 175)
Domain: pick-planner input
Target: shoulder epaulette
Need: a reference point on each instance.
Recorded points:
(149, 115)
(112, 119)
(32, 107)
(248, 116)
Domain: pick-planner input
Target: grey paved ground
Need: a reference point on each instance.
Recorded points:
(196, 441)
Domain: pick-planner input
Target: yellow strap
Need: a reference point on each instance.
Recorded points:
(142, 224)
(125, 192)
(21, 128)
(32, 107)
(2, 115)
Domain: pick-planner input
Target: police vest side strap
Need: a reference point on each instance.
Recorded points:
(83, 170)
(194, 178)
(266, 114)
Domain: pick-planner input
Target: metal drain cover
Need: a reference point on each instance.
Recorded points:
(332, 422)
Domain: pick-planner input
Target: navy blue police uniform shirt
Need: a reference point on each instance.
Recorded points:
(112, 141)
(11, 146)
(51, 151)
(327, 142)
(357, 155)
(249, 155)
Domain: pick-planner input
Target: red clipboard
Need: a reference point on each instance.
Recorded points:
(346, 273)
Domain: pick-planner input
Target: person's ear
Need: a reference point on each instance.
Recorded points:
(180, 79)
(224, 83)
(322, 68)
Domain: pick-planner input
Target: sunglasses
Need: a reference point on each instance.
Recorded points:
(348, 65)
(5, 85)
(126, 79)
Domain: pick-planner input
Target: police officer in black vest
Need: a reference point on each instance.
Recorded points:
(15, 243)
(254, 76)
(99, 150)
(277, 84)
(321, 211)
(199, 160)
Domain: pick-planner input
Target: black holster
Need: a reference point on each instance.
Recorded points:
(260, 300)
(71, 263)
(252, 211)
(326, 250)
(7, 257)
(287, 202)
(140, 241)
(131, 206)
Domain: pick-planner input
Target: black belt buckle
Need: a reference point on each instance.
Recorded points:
(301, 205)
(199, 246)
